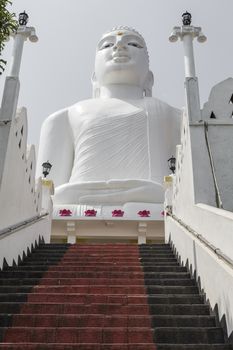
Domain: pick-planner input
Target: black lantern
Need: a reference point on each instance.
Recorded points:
(23, 18)
(46, 168)
(172, 164)
(187, 18)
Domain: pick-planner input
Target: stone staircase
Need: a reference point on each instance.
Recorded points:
(104, 297)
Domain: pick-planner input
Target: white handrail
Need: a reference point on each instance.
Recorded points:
(209, 245)
(11, 229)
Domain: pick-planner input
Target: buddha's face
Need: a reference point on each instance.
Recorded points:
(121, 58)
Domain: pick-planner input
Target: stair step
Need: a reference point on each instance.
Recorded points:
(15, 289)
(83, 269)
(160, 254)
(92, 281)
(20, 273)
(179, 309)
(172, 289)
(73, 308)
(93, 289)
(11, 284)
(157, 262)
(63, 346)
(79, 335)
(18, 281)
(10, 307)
(104, 254)
(87, 298)
(151, 245)
(168, 268)
(87, 346)
(160, 346)
(169, 282)
(13, 297)
(55, 320)
(24, 276)
(183, 321)
(175, 298)
(20, 267)
(187, 335)
(79, 321)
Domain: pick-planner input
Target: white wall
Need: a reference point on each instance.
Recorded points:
(216, 277)
(192, 198)
(20, 197)
(15, 244)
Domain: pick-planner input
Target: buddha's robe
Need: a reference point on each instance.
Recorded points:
(116, 151)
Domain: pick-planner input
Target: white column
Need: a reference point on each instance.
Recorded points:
(189, 64)
(187, 33)
(23, 33)
(17, 54)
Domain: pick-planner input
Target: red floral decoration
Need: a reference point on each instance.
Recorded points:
(65, 212)
(117, 213)
(90, 212)
(144, 213)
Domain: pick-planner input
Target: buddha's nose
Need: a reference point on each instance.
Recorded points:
(119, 44)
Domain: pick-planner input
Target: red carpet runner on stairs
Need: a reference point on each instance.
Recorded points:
(92, 297)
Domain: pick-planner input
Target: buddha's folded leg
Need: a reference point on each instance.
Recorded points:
(72, 192)
(109, 193)
(147, 194)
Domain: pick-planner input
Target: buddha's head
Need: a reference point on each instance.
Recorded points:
(122, 58)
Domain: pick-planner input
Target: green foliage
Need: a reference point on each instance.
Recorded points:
(8, 24)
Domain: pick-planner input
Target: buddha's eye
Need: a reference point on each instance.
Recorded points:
(134, 44)
(106, 46)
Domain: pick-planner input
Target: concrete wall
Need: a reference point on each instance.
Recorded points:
(20, 197)
(16, 244)
(214, 275)
(192, 198)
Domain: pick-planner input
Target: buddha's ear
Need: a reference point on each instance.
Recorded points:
(149, 84)
(95, 86)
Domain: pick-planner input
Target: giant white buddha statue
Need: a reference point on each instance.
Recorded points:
(112, 149)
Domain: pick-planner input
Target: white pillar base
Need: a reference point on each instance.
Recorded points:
(71, 232)
(71, 239)
(142, 230)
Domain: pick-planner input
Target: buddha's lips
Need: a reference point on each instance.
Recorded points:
(121, 58)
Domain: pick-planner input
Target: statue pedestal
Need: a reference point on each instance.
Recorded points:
(139, 223)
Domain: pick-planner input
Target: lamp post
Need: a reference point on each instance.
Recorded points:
(47, 188)
(186, 18)
(172, 164)
(46, 168)
(23, 18)
(22, 34)
(12, 86)
(187, 33)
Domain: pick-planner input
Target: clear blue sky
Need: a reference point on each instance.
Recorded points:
(56, 71)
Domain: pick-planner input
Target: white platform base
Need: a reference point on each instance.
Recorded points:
(104, 227)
